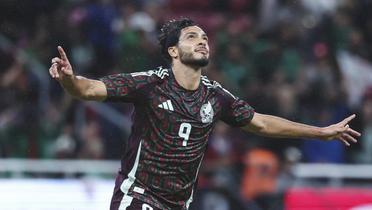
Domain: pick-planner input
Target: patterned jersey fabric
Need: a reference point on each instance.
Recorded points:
(170, 130)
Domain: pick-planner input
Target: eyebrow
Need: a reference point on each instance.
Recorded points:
(191, 32)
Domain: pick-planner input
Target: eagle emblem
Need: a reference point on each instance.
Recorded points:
(206, 113)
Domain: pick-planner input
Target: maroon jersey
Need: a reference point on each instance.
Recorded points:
(171, 126)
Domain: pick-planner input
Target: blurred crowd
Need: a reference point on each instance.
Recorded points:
(307, 61)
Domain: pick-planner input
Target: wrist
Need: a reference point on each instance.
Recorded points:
(67, 81)
(322, 134)
(67, 78)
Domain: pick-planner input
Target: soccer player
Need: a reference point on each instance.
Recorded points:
(176, 109)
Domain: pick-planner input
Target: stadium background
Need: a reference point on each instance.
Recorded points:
(305, 60)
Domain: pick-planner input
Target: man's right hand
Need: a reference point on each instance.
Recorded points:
(61, 68)
(77, 86)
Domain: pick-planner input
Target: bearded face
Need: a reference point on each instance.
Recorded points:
(192, 47)
(189, 58)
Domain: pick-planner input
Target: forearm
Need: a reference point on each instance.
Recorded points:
(272, 126)
(80, 87)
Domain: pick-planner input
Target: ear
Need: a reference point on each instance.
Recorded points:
(173, 51)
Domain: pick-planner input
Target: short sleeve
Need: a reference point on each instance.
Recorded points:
(133, 87)
(121, 87)
(235, 112)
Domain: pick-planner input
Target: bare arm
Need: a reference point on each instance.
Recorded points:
(78, 86)
(271, 126)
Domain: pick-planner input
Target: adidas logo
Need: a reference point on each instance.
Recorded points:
(167, 105)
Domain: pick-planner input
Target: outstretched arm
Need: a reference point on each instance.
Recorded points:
(78, 86)
(271, 126)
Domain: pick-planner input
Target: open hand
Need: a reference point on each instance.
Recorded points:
(61, 67)
(341, 131)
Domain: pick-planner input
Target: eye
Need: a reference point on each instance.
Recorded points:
(205, 38)
(190, 36)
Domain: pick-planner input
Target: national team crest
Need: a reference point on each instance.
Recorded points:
(206, 113)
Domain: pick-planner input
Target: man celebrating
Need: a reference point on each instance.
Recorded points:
(176, 109)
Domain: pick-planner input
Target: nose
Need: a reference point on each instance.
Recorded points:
(202, 42)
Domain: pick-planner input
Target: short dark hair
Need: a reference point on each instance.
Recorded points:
(170, 34)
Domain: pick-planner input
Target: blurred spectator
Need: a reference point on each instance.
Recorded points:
(260, 173)
(234, 67)
(92, 145)
(65, 144)
(259, 181)
(365, 155)
(98, 25)
(323, 152)
(221, 159)
(286, 178)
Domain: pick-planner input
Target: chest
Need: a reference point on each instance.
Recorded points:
(182, 119)
(200, 107)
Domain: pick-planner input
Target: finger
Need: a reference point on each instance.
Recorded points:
(344, 141)
(353, 132)
(53, 71)
(348, 119)
(57, 60)
(349, 138)
(62, 54)
(65, 71)
(344, 128)
(341, 129)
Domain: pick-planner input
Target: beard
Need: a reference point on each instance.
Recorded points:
(190, 60)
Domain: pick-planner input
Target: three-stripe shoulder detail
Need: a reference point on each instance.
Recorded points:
(159, 72)
(214, 85)
(208, 83)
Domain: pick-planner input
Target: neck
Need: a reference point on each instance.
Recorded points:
(187, 76)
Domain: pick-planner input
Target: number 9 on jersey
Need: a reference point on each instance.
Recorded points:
(184, 132)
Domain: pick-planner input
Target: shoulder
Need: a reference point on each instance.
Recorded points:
(150, 78)
(157, 74)
(215, 86)
(210, 84)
